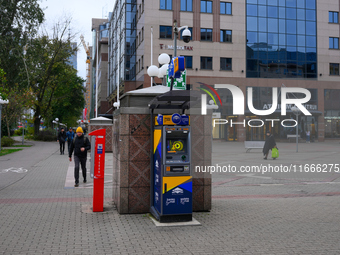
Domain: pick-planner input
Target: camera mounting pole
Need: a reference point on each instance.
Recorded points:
(176, 31)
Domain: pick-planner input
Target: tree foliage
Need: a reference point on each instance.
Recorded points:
(38, 73)
(52, 78)
(19, 22)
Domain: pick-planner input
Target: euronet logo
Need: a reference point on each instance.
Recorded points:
(238, 104)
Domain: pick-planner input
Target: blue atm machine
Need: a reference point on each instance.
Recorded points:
(171, 191)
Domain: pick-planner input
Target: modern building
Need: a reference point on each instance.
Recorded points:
(259, 44)
(100, 39)
(73, 58)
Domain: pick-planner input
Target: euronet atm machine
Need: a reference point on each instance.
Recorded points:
(171, 180)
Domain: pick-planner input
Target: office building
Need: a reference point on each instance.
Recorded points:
(253, 43)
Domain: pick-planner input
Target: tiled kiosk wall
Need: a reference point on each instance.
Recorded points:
(131, 160)
(109, 134)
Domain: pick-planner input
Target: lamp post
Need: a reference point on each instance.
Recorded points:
(1, 103)
(56, 120)
(23, 128)
(154, 71)
(296, 111)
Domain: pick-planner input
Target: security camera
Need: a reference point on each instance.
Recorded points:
(186, 35)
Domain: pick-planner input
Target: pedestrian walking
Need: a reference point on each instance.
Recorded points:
(80, 145)
(61, 139)
(70, 137)
(269, 144)
(308, 136)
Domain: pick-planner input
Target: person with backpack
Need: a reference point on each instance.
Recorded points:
(80, 146)
(61, 139)
(70, 137)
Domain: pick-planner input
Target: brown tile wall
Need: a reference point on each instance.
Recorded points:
(131, 162)
(109, 134)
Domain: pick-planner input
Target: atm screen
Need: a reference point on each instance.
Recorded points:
(176, 146)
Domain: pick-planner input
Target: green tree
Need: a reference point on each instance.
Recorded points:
(69, 97)
(48, 57)
(19, 22)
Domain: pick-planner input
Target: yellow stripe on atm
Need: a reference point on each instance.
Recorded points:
(157, 134)
(174, 181)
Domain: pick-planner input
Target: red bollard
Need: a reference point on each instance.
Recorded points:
(99, 167)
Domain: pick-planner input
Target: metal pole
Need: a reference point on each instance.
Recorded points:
(0, 125)
(151, 55)
(175, 38)
(96, 105)
(297, 131)
(23, 130)
(175, 50)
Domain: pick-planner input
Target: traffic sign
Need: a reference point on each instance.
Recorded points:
(179, 83)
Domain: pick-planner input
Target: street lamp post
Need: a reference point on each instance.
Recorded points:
(154, 71)
(296, 111)
(1, 103)
(23, 129)
(56, 120)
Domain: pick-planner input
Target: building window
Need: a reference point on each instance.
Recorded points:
(166, 4)
(142, 34)
(225, 36)
(334, 42)
(281, 39)
(225, 8)
(142, 62)
(190, 29)
(206, 34)
(206, 63)
(225, 64)
(333, 69)
(333, 17)
(206, 6)
(165, 32)
(188, 62)
(186, 5)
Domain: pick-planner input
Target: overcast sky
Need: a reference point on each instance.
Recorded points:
(82, 12)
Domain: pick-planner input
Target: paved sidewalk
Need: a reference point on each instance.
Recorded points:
(253, 213)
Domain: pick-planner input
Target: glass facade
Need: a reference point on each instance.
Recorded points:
(122, 44)
(281, 39)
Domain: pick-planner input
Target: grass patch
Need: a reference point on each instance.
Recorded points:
(8, 151)
(21, 145)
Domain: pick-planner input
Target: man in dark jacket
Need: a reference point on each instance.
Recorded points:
(70, 136)
(61, 139)
(80, 145)
(269, 144)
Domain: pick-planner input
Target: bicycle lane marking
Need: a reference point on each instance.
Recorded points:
(14, 170)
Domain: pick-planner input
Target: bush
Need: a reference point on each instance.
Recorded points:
(7, 141)
(30, 131)
(19, 131)
(46, 135)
